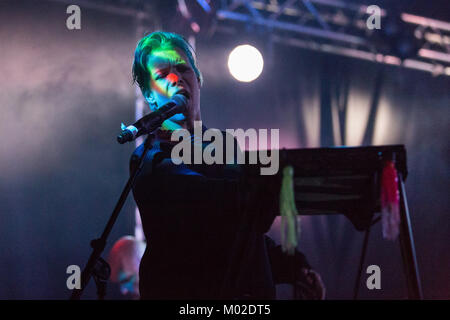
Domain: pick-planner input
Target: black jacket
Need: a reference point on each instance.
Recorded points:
(205, 228)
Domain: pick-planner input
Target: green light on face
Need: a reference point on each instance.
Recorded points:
(171, 55)
(162, 59)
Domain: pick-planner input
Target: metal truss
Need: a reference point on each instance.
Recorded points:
(332, 26)
(140, 9)
(337, 27)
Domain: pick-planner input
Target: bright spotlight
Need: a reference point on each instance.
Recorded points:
(245, 63)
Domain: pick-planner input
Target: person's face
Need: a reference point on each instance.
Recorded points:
(170, 71)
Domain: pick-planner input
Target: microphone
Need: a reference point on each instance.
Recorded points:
(154, 120)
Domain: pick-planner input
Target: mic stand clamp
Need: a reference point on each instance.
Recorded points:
(101, 274)
(96, 266)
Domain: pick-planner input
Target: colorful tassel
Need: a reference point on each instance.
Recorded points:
(290, 224)
(390, 200)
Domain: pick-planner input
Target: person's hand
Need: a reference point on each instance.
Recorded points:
(124, 259)
(311, 286)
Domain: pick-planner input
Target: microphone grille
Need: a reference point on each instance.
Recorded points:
(180, 99)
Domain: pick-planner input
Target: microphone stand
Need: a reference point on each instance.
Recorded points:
(96, 266)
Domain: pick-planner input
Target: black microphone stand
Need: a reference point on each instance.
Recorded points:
(96, 266)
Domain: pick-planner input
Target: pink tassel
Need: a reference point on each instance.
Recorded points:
(390, 199)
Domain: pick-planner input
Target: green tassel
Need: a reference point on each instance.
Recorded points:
(290, 222)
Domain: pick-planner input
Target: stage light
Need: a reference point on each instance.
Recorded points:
(245, 63)
(396, 38)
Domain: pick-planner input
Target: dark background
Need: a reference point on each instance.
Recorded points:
(63, 95)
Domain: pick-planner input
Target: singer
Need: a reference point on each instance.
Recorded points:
(204, 226)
